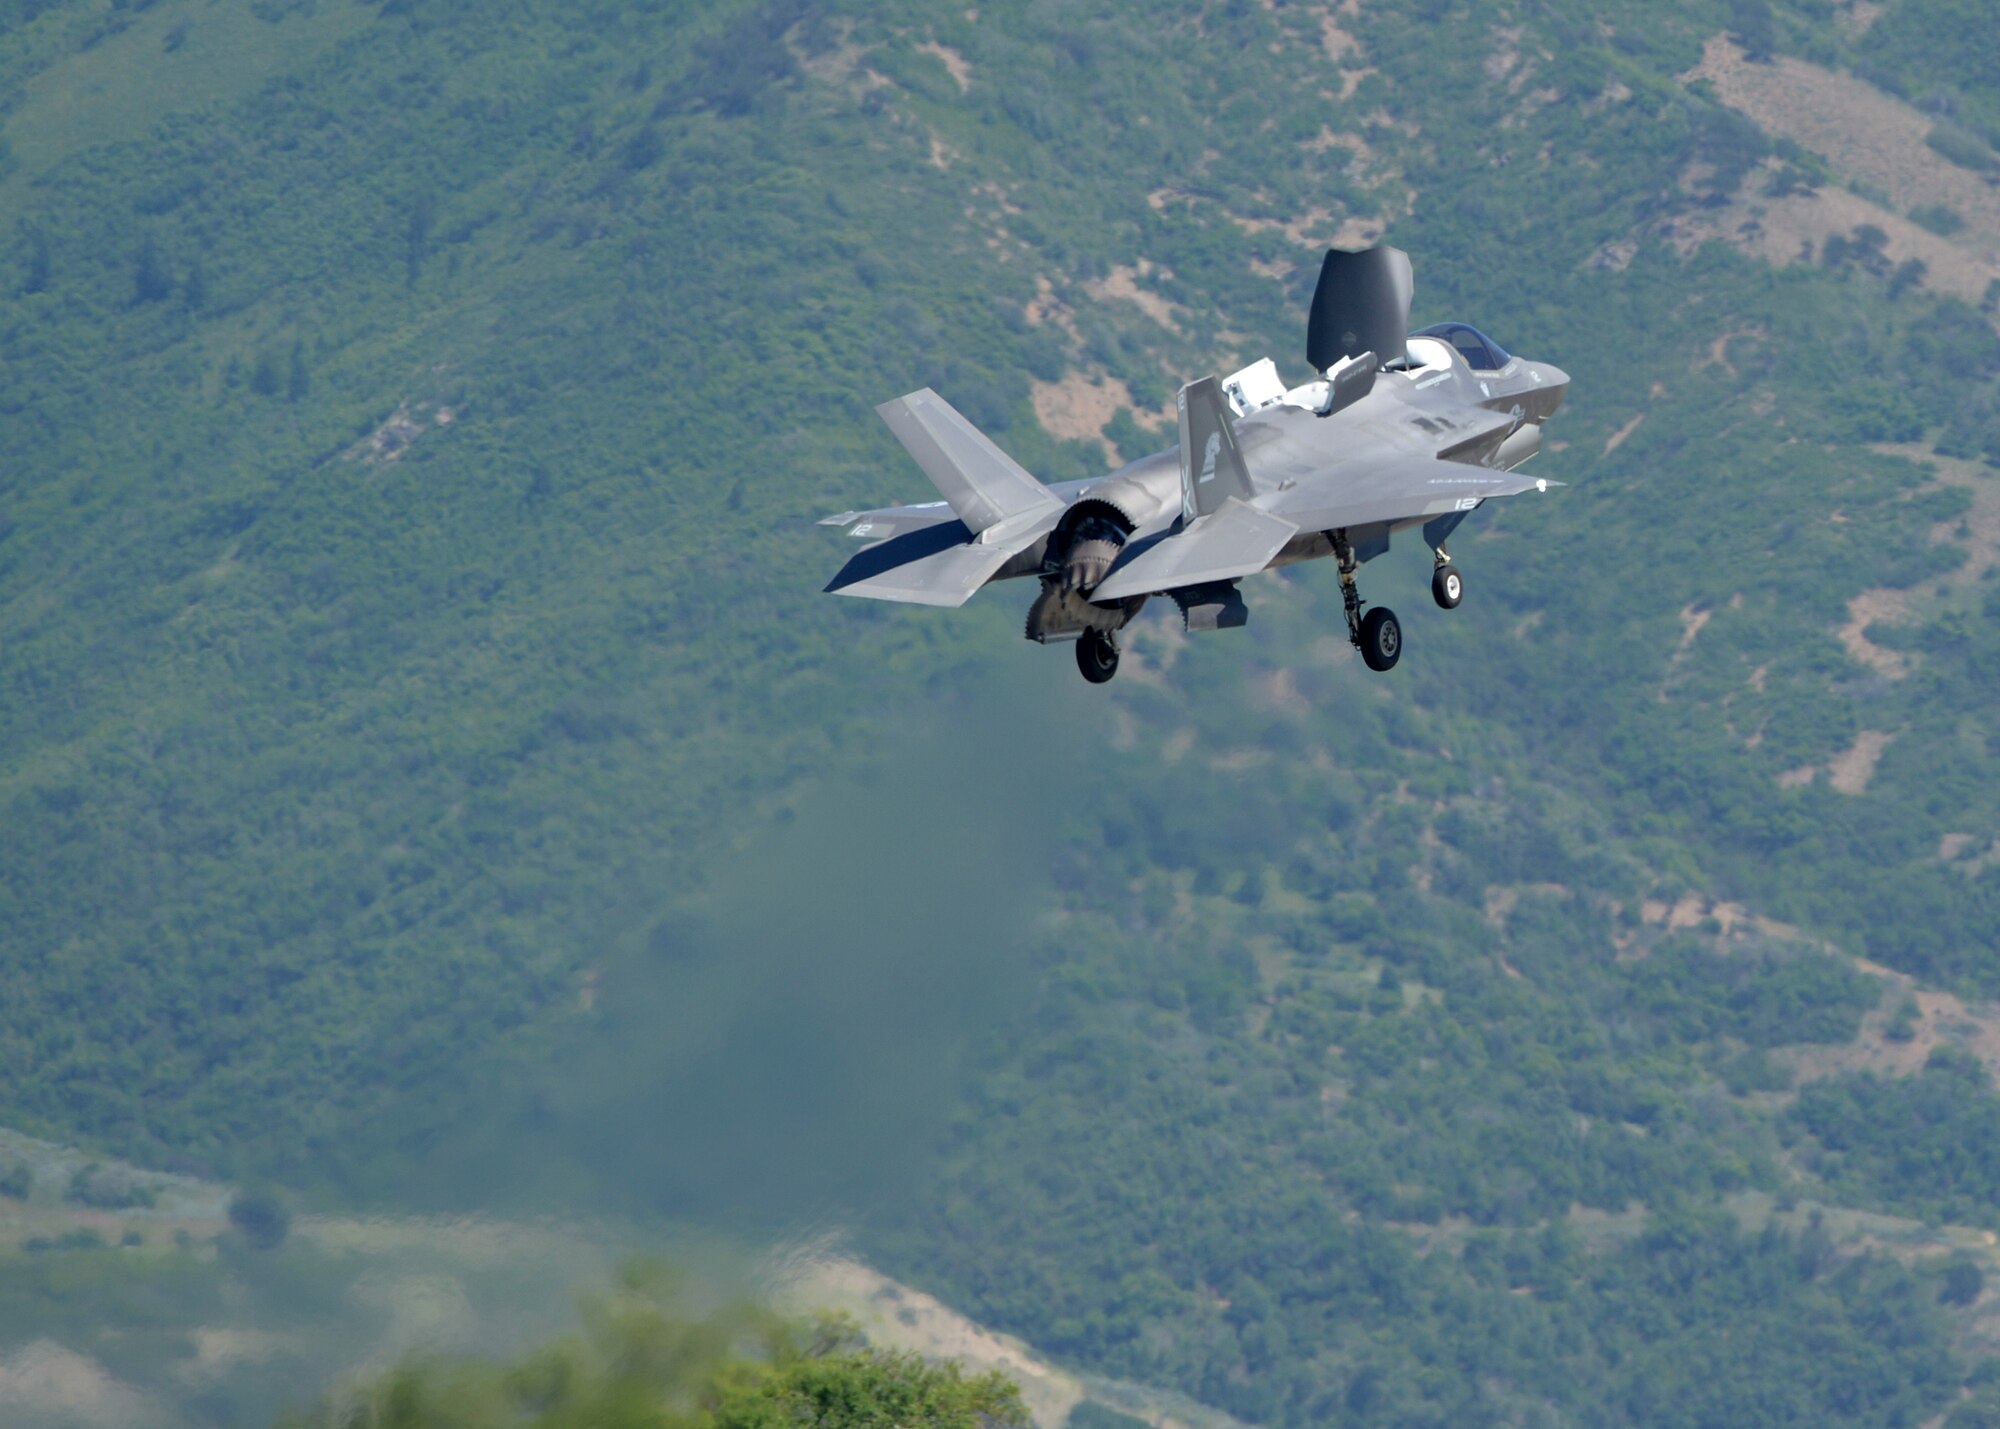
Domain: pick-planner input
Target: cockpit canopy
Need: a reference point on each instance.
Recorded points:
(1481, 353)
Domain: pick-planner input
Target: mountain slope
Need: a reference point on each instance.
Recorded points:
(410, 641)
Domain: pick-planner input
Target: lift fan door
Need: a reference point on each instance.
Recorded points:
(1362, 304)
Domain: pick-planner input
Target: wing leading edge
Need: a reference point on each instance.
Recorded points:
(1396, 489)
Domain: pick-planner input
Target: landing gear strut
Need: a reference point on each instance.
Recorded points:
(1378, 635)
(1096, 656)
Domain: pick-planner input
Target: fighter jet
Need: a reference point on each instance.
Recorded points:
(1395, 430)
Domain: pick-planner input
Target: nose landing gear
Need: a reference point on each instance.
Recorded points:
(1447, 585)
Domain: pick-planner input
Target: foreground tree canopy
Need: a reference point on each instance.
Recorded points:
(642, 1361)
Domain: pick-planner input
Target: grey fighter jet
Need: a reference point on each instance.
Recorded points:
(1399, 429)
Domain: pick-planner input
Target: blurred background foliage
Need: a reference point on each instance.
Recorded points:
(429, 777)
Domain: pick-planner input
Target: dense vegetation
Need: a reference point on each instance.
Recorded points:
(407, 641)
(644, 1362)
(1924, 1144)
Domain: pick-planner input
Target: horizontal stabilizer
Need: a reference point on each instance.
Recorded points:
(988, 490)
(936, 565)
(1233, 540)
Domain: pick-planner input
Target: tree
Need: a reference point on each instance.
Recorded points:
(40, 261)
(644, 1363)
(1751, 22)
(1963, 1282)
(151, 283)
(259, 1212)
(872, 1389)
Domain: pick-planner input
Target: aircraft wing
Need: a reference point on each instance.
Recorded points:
(1393, 489)
(1235, 539)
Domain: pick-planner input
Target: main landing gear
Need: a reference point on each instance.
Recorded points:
(1377, 635)
(1096, 655)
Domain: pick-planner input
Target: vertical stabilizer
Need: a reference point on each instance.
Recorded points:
(1212, 468)
(987, 489)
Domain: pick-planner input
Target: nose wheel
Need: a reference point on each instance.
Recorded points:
(1447, 585)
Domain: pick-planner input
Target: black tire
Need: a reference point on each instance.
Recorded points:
(1381, 639)
(1096, 656)
(1447, 587)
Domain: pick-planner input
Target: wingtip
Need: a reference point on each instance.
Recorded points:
(903, 403)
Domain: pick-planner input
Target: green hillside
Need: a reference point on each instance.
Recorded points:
(428, 772)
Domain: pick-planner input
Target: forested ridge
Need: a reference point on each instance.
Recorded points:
(417, 712)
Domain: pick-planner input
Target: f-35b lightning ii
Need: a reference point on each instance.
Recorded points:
(1399, 429)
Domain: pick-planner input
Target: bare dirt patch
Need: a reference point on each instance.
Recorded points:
(1359, 231)
(1350, 80)
(1312, 229)
(1978, 531)
(1077, 407)
(1851, 769)
(1691, 910)
(1865, 610)
(1613, 257)
(1979, 528)
(1953, 848)
(1502, 899)
(953, 61)
(1867, 136)
(842, 66)
(1794, 227)
(1940, 1020)
(1718, 351)
(1337, 43)
(1047, 306)
(1122, 282)
(1617, 438)
(1856, 17)
(1692, 620)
